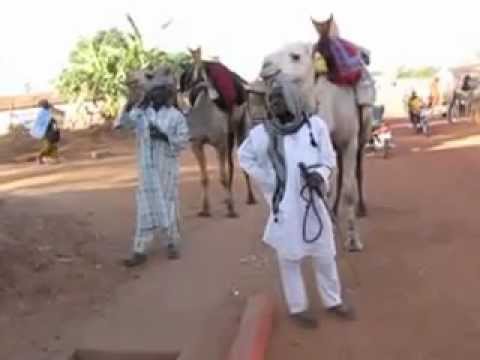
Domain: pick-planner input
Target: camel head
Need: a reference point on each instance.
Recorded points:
(197, 63)
(293, 59)
(139, 82)
(193, 80)
(326, 28)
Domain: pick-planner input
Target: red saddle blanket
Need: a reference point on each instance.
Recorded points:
(343, 60)
(227, 84)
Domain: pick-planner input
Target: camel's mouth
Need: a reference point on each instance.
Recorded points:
(296, 79)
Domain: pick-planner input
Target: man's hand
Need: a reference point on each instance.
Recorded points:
(128, 106)
(157, 134)
(145, 102)
(315, 181)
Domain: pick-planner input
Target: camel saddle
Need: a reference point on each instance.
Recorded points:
(344, 60)
(228, 85)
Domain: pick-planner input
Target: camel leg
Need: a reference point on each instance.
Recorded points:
(250, 196)
(347, 222)
(222, 160)
(362, 207)
(333, 192)
(452, 117)
(242, 132)
(338, 182)
(226, 157)
(198, 151)
(365, 131)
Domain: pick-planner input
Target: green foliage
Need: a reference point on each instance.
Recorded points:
(98, 67)
(418, 73)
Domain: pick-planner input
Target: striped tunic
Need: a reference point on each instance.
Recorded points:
(158, 165)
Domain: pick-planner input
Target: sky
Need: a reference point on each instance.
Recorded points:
(37, 36)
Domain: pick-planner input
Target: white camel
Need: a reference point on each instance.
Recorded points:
(337, 106)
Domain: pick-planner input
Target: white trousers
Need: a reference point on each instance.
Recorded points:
(327, 279)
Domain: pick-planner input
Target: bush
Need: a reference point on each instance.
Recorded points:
(98, 67)
(417, 73)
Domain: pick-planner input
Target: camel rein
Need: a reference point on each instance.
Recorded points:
(307, 193)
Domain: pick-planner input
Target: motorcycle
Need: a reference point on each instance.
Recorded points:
(422, 126)
(381, 139)
(420, 120)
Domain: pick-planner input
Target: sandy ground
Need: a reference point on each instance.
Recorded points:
(63, 229)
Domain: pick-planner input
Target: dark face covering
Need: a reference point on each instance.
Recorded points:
(279, 107)
(160, 97)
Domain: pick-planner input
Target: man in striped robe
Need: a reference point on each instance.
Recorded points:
(162, 133)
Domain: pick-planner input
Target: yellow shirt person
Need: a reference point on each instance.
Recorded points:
(415, 103)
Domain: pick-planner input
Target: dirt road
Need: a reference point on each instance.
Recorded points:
(64, 229)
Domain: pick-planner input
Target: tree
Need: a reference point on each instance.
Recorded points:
(419, 73)
(98, 67)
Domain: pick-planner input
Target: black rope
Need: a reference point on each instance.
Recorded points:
(307, 193)
(312, 138)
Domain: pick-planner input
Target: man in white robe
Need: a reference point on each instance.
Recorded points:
(162, 133)
(271, 155)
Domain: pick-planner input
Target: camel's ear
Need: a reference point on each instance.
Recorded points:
(317, 25)
(323, 27)
(196, 54)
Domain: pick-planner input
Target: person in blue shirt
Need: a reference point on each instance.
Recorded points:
(45, 128)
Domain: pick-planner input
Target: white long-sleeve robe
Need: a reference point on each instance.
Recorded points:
(285, 235)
